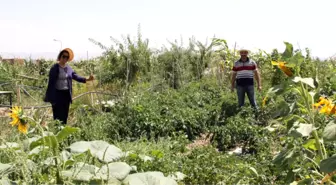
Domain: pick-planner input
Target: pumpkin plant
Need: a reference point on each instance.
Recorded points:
(40, 156)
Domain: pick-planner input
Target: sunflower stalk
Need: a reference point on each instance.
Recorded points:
(312, 120)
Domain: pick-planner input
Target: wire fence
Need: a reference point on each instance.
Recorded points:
(80, 95)
(27, 86)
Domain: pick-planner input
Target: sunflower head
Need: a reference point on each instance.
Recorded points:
(18, 119)
(16, 114)
(322, 101)
(283, 67)
(16, 110)
(326, 105)
(23, 127)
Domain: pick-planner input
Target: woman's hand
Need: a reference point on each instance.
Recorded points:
(90, 78)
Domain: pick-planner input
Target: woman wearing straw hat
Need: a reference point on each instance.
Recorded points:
(59, 90)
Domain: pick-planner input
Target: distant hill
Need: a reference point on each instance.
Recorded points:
(45, 55)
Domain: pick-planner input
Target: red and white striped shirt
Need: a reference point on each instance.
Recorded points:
(245, 72)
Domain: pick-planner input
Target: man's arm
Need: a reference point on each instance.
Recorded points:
(257, 76)
(233, 76)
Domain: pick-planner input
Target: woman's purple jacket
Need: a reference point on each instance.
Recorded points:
(51, 95)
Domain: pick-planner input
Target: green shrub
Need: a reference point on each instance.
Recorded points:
(191, 110)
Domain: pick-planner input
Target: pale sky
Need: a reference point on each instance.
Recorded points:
(29, 26)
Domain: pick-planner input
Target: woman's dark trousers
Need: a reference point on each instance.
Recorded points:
(61, 107)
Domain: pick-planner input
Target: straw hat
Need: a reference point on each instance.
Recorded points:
(243, 49)
(71, 54)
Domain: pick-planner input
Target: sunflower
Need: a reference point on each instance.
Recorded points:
(283, 67)
(17, 119)
(322, 101)
(23, 127)
(326, 106)
(326, 109)
(15, 114)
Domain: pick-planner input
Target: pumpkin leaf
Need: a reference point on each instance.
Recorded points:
(9, 145)
(118, 170)
(329, 133)
(99, 149)
(83, 172)
(148, 178)
(85, 176)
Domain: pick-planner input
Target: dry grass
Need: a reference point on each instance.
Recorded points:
(4, 111)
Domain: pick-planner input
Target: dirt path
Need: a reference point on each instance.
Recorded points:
(4, 112)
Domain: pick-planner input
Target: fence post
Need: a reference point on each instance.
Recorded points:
(91, 99)
(18, 94)
(10, 99)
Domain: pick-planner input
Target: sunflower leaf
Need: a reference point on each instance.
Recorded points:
(65, 132)
(308, 81)
(328, 165)
(288, 51)
(301, 130)
(50, 141)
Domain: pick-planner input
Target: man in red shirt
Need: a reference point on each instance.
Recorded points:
(243, 73)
